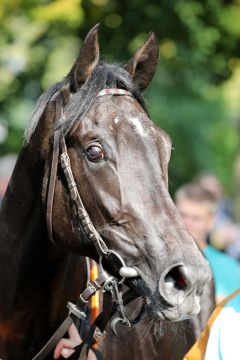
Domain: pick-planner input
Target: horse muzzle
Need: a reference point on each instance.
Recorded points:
(177, 294)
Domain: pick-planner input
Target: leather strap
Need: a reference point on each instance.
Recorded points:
(74, 313)
(85, 227)
(54, 167)
(85, 224)
(104, 92)
(50, 345)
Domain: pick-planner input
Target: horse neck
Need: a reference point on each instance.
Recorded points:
(37, 278)
(20, 221)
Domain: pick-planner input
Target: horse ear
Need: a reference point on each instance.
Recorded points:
(143, 65)
(87, 59)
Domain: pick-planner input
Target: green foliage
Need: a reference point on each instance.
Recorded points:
(199, 43)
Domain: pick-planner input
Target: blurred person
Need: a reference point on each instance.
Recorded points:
(7, 164)
(225, 234)
(212, 184)
(227, 237)
(198, 208)
(66, 347)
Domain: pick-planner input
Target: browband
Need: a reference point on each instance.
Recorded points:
(104, 92)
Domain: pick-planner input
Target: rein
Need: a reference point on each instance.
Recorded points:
(110, 285)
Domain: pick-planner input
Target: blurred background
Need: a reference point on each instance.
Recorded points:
(194, 96)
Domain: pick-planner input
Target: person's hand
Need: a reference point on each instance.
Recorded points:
(65, 347)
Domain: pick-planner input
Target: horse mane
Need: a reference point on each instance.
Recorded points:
(103, 77)
(38, 110)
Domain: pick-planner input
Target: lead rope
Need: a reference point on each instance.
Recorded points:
(104, 281)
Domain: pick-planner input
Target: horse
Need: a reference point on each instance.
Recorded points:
(97, 117)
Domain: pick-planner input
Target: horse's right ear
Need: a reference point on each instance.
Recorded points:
(143, 65)
(87, 60)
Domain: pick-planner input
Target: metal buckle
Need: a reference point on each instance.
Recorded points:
(73, 309)
(108, 284)
(118, 257)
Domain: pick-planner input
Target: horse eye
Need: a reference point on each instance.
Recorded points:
(95, 152)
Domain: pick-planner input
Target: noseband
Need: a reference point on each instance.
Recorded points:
(110, 285)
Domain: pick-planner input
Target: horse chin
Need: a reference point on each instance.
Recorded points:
(189, 308)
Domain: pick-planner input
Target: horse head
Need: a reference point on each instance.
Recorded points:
(119, 159)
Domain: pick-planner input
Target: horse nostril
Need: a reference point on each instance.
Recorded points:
(175, 284)
(178, 277)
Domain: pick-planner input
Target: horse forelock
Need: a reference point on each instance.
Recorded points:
(104, 76)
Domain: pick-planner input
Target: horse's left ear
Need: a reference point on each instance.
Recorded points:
(87, 60)
(143, 65)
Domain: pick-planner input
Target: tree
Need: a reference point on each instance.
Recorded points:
(199, 44)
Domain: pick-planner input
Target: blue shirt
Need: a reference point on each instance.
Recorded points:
(225, 269)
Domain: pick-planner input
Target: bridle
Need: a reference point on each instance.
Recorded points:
(114, 301)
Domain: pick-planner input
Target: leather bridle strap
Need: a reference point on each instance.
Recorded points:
(74, 312)
(54, 166)
(96, 332)
(81, 214)
(84, 225)
(59, 334)
(102, 282)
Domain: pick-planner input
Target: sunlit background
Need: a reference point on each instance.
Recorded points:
(195, 95)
